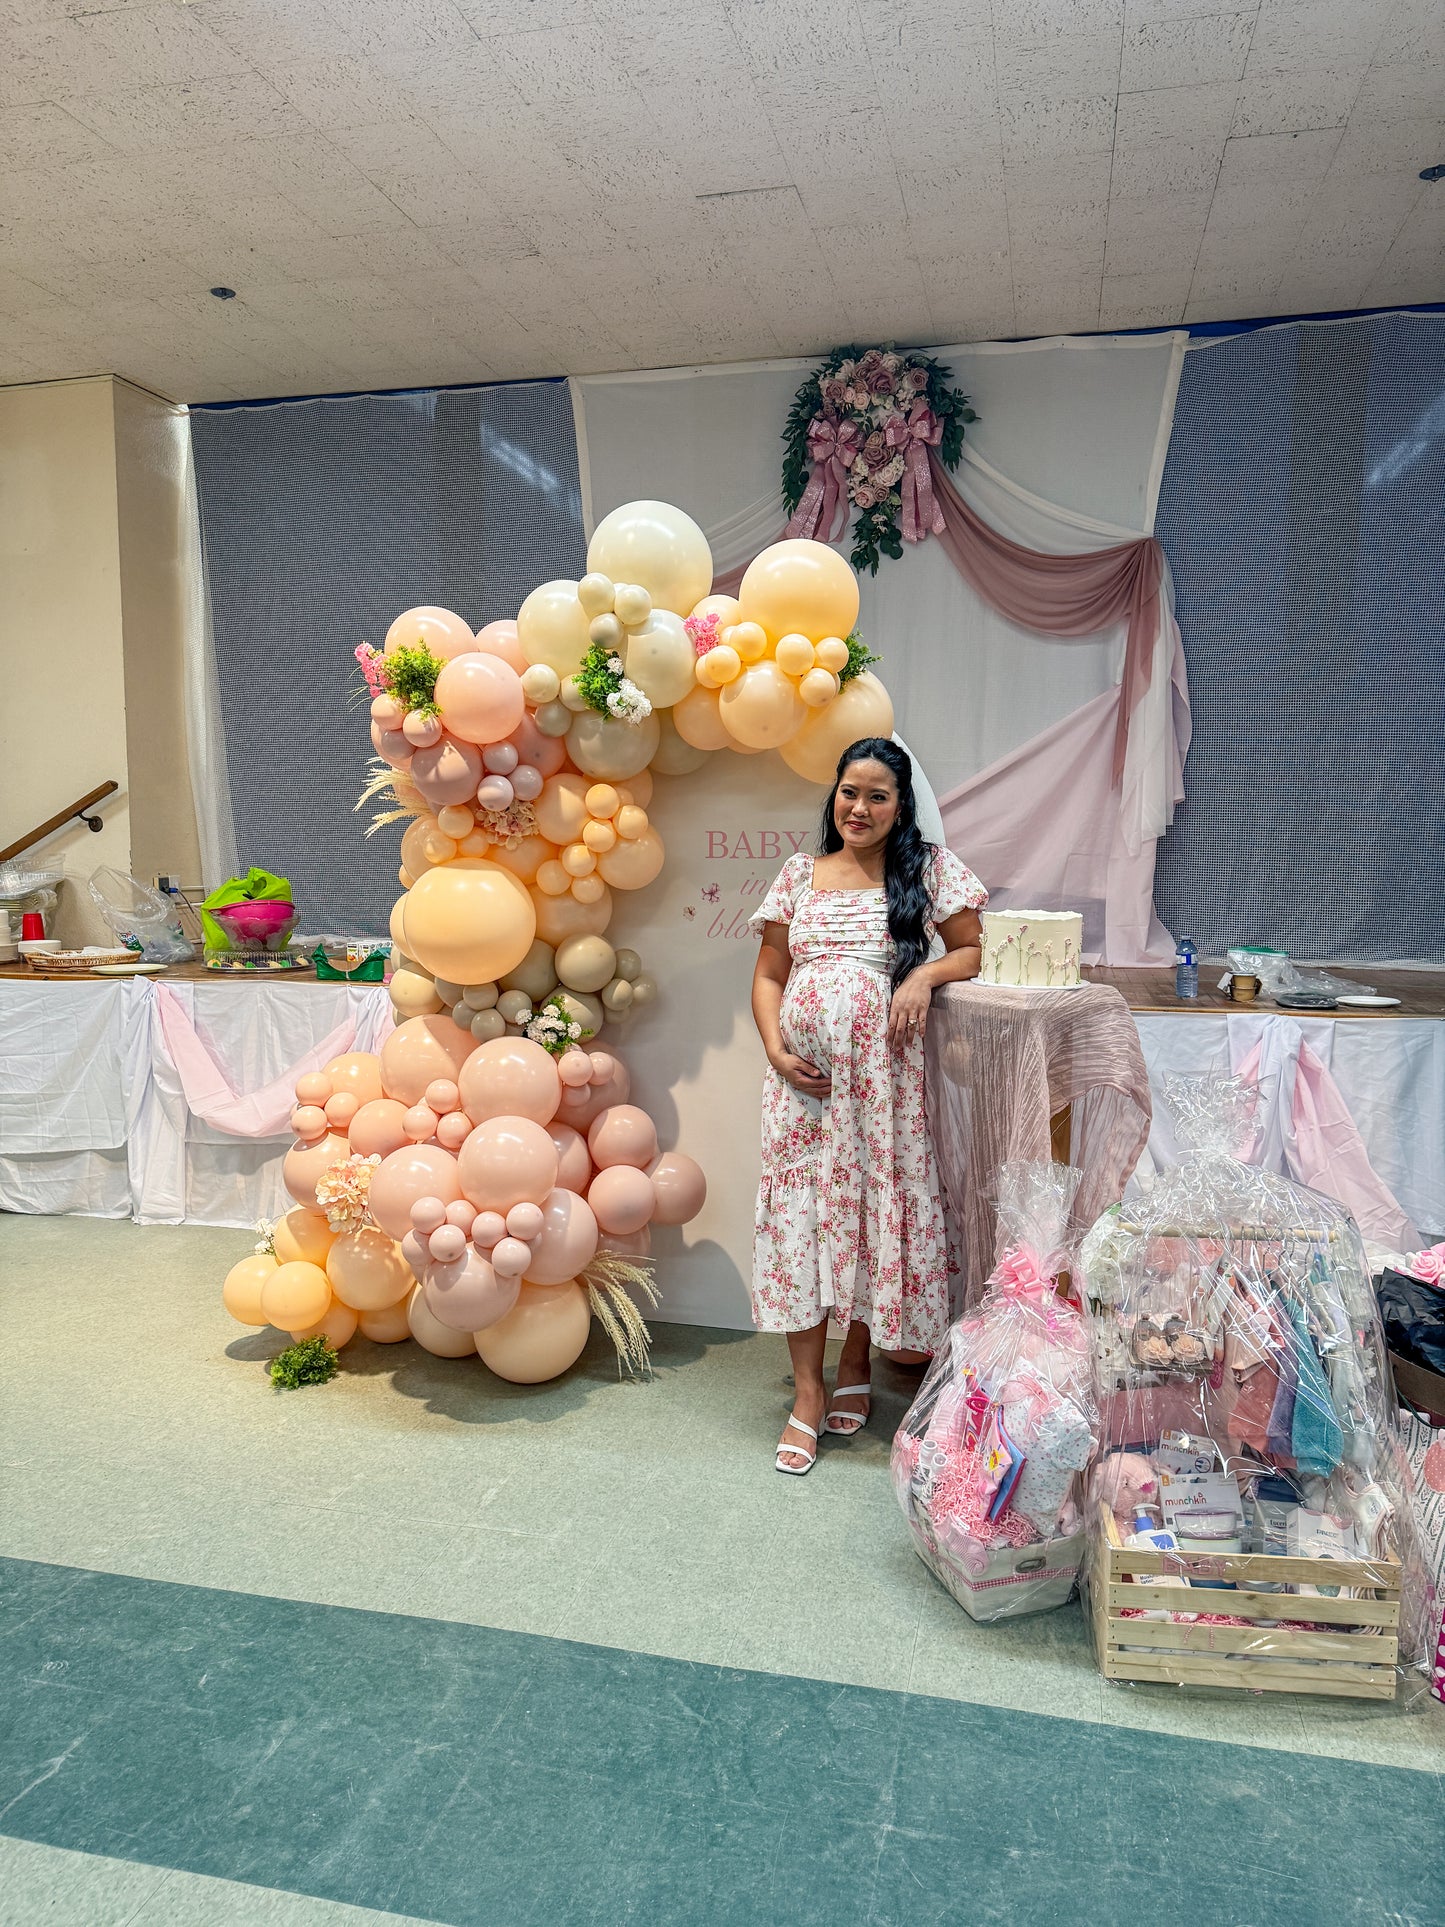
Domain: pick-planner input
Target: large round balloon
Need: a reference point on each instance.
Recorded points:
(507, 1161)
(376, 1130)
(468, 1295)
(862, 708)
(294, 1296)
(633, 862)
(305, 1164)
(660, 659)
(445, 634)
(559, 918)
(675, 755)
(622, 1198)
(552, 627)
(415, 1171)
(337, 1325)
(679, 1186)
(387, 1326)
(241, 1293)
(545, 1332)
(480, 698)
(510, 1077)
(431, 1334)
(622, 1134)
(800, 588)
(416, 1054)
(526, 858)
(567, 1241)
(500, 639)
(657, 547)
(358, 1072)
(561, 810)
(574, 1162)
(302, 1236)
(469, 921)
(608, 749)
(367, 1270)
(698, 720)
(412, 994)
(762, 708)
(447, 772)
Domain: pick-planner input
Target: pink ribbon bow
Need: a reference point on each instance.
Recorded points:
(823, 511)
(913, 438)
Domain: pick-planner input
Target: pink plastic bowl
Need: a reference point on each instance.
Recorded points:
(252, 923)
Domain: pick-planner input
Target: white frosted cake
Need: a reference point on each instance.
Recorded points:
(1038, 949)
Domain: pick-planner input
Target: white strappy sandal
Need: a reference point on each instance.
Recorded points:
(857, 1419)
(797, 1451)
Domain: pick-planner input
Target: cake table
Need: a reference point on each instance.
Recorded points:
(1030, 1074)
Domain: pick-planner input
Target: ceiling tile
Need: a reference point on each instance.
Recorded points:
(45, 136)
(1064, 68)
(1057, 306)
(1296, 103)
(1147, 13)
(1322, 33)
(1156, 234)
(1195, 51)
(1039, 128)
(1279, 159)
(1030, 23)
(1190, 115)
(930, 27)
(1166, 168)
(200, 113)
(341, 93)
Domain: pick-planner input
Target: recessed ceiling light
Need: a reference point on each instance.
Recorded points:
(1433, 173)
(224, 294)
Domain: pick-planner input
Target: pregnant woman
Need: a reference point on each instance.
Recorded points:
(849, 1219)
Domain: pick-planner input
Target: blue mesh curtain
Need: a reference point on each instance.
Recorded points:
(1303, 514)
(323, 520)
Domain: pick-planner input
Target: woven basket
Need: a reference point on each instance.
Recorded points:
(77, 962)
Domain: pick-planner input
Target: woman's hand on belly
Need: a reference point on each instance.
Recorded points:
(803, 1076)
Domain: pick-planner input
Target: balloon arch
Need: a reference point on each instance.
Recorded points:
(483, 1184)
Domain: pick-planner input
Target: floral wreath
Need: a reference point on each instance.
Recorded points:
(859, 435)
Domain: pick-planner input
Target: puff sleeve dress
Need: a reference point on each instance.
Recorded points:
(849, 1220)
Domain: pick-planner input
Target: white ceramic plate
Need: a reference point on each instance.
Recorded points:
(1368, 1003)
(128, 970)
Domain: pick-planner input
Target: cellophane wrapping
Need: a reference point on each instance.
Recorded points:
(988, 1463)
(1236, 1337)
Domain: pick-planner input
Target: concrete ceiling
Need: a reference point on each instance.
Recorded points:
(425, 191)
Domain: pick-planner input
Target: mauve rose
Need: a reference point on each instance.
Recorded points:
(880, 382)
(916, 380)
(865, 496)
(834, 390)
(875, 449)
(873, 359)
(892, 363)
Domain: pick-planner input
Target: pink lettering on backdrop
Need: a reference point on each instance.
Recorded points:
(731, 898)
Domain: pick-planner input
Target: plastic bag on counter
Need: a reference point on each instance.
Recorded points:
(142, 919)
(1276, 971)
(1249, 1449)
(988, 1461)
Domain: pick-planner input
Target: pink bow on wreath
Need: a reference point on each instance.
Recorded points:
(823, 511)
(913, 439)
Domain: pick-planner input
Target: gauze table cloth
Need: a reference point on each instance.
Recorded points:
(1001, 1064)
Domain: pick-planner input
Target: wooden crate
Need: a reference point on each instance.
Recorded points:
(1357, 1662)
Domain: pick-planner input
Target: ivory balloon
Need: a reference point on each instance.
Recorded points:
(412, 994)
(415, 1171)
(337, 1327)
(536, 974)
(584, 1009)
(561, 809)
(445, 634)
(604, 746)
(660, 659)
(725, 607)
(302, 1236)
(420, 1050)
(697, 720)
(507, 1161)
(567, 1240)
(622, 1198)
(861, 708)
(295, 1295)
(545, 1332)
(794, 655)
(303, 1166)
(634, 863)
(574, 1164)
(356, 1071)
(800, 587)
(674, 755)
(552, 627)
(680, 1187)
(500, 639)
(657, 547)
(469, 921)
(561, 917)
(637, 789)
(442, 1341)
(622, 1134)
(762, 709)
(510, 1077)
(376, 1130)
(480, 698)
(387, 1326)
(526, 858)
(367, 1269)
(241, 1293)
(585, 963)
(818, 688)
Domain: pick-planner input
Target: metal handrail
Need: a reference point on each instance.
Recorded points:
(60, 819)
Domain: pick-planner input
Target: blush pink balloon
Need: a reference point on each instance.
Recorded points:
(453, 1129)
(574, 1067)
(387, 712)
(488, 1227)
(341, 1108)
(622, 1134)
(510, 1077)
(574, 1166)
(544, 753)
(313, 1087)
(495, 793)
(469, 1295)
(680, 1187)
(440, 630)
(463, 1213)
(377, 1128)
(524, 1221)
(392, 746)
(621, 1197)
(415, 1171)
(567, 1240)
(507, 1161)
(428, 1215)
(421, 731)
(511, 1257)
(448, 772)
(500, 639)
(480, 698)
(308, 1121)
(413, 1249)
(500, 758)
(611, 1088)
(627, 1244)
(441, 1095)
(305, 1163)
(421, 1124)
(446, 1244)
(526, 782)
(421, 1050)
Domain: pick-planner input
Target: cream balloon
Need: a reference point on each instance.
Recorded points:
(552, 627)
(543, 1334)
(861, 708)
(660, 659)
(634, 863)
(413, 994)
(535, 975)
(818, 688)
(698, 720)
(762, 709)
(725, 607)
(432, 1335)
(604, 746)
(438, 630)
(657, 547)
(469, 921)
(585, 963)
(674, 755)
(800, 587)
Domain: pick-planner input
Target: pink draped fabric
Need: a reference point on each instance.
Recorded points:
(208, 1094)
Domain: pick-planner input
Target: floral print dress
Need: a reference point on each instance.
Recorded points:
(849, 1217)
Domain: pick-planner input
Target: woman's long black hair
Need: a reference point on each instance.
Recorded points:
(906, 856)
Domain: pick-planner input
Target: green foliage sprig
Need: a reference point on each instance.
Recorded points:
(603, 682)
(312, 1362)
(410, 674)
(860, 657)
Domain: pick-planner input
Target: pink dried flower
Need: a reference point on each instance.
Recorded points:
(371, 661)
(833, 391)
(703, 630)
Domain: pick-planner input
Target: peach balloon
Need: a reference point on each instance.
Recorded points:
(800, 586)
(241, 1293)
(442, 1341)
(313, 1087)
(510, 1257)
(622, 1198)
(613, 1088)
(421, 1123)
(340, 1110)
(567, 1240)
(338, 1327)
(622, 1134)
(524, 1221)
(499, 639)
(543, 1334)
(488, 1229)
(308, 1121)
(394, 923)
(391, 746)
(447, 1244)
(469, 922)
(574, 1067)
(637, 789)
(463, 1214)
(861, 708)
(415, 1171)
(447, 772)
(543, 753)
(480, 698)
(415, 841)
(507, 1161)
(367, 1269)
(303, 1165)
(698, 720)
(428, 1215)
(510, 1077)
(561, 809)
(377, 1128)
(635, 861)
(469, 1296)
(762, 709)
(574, 1165)
(559, 918)
(445, 634)
(388, 1326)
(679, 1186)
(295, 1295)
(420, 1050)
(818, 688)
(302, 1235)
(526, 859)
(452, 1129)
(412, 994)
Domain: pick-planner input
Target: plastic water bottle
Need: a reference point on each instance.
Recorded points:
(1186, 970)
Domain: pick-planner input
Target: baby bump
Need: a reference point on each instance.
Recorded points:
(825, 1003)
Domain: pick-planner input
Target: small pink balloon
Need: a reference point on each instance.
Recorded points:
(500, 639)
(487, 1228)
(463, 1213)
(341, 1108)
(421, 1124)
(441, 1096)
(313, 1088)
(387, 712)
(447, 1243)
(574, 1067)
(500, 758)
(622, 1134)
(574, 1166)
(392, 746)
(480, 697)
(421, 731)
(602, 1066)
(377, 1129)
(622, 1198)
(526, 782)
(495, 793)
(576, 1098)
(448, 772)
(414, 1171)
(469, 1296)
(414, 1250)
(428, 1215)
(567, 1241)
(453, 1130)
(308, 1121)
(524, 1221)
(545, 753)
(511, 1257)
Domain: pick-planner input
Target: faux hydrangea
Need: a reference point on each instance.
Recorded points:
(342, 1191)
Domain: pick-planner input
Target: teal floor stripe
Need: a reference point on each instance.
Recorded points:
(494, 1779)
